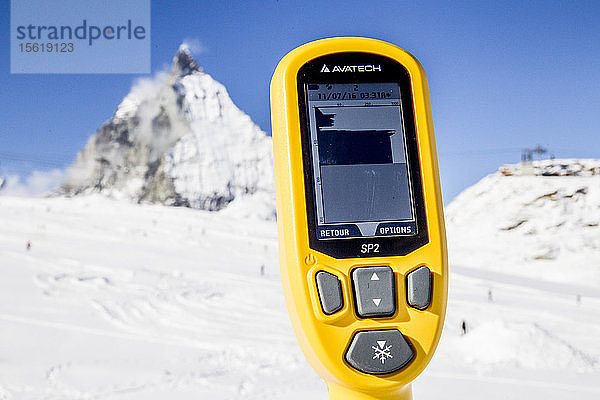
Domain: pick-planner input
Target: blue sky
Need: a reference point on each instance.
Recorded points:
(502, 75)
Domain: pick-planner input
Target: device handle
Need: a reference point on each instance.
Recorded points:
(339, 392)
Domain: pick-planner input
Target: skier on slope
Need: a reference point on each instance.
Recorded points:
(463, 327)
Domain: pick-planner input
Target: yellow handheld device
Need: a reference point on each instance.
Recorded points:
(359, 213)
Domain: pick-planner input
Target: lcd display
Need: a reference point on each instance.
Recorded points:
(360, 168)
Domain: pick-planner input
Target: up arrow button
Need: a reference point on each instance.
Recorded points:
(375, 292)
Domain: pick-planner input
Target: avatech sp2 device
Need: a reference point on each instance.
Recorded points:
(359, 212)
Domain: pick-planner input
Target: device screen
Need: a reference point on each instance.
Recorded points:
(360, 174)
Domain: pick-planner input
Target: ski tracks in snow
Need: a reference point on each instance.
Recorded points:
(195, 309)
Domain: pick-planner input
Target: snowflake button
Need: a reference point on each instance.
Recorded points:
(379, 352)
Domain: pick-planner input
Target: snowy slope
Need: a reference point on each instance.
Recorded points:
(123, 301)
(539, 220)
(176, 139)
(116, 300)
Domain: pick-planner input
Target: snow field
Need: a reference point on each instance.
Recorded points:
(122, 301)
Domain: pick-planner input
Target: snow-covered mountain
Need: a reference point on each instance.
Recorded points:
(543, 218)
(176, 139)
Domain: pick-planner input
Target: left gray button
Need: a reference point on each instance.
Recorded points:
(330, 292)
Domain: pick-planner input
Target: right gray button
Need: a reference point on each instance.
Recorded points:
(418, 288)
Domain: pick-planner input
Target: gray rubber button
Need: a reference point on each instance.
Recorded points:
(374, 290)
(379, 352)
(330, 292)
(418, 288)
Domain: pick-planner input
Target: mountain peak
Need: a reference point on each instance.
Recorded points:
(184, 63)
(177, 140)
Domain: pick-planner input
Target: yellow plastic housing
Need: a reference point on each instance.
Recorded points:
(324, 339)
